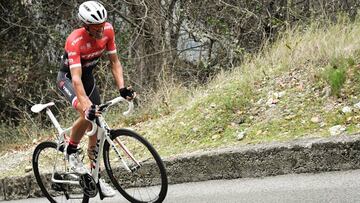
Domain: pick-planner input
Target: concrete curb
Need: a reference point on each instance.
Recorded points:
(302, 156)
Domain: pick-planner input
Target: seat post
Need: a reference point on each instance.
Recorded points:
(54, 120)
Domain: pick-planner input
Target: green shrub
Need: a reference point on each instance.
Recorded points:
(335, 74)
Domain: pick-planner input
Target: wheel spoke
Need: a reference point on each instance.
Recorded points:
(148, 182)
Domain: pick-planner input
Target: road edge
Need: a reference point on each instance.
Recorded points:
(298, 156)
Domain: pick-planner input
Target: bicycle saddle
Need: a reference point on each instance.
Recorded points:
(39, 107)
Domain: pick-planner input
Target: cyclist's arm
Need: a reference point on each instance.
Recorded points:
(116, 67)
(79, 88)
(72, 47)
(117, 70)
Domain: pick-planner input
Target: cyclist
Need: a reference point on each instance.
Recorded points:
(83, 49)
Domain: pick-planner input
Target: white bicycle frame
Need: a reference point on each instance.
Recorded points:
(102, 132)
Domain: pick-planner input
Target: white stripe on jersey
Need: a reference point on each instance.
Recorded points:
(75, 65)
(111, 52)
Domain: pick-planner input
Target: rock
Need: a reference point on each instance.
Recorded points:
(349, 119)
(28, 169)
(260, 101)
(278, 95)
(239, 112)
(326, 91)
(240, 135)
(357, 105)
(346, 109)
(259, 132)
(289, 117)
(300, 87)
(215, 137)
(315, 119)
(194, 129)
(337, 129)
(240, 120)
(272, 102)
(322, 124)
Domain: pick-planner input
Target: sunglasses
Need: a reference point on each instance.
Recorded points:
(97, 26)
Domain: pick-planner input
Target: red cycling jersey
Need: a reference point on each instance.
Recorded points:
(81, 50)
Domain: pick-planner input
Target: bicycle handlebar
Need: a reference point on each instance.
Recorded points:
(103, 107)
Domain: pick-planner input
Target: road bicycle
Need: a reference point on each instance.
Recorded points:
(131, 163)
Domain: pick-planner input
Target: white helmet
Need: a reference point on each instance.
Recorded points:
(92, 12)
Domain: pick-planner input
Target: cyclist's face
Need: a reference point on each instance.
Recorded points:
(97, 30)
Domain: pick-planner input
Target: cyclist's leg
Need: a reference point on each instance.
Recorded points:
(81, 124)
(94, 97)
(106, 189)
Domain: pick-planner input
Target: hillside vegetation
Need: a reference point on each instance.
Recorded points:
(300, 86)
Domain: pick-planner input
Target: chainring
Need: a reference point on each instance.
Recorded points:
(88, 185)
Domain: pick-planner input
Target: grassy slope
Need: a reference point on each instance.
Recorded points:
(299, 66)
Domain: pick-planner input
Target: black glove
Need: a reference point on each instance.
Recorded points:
(90, 113)
(127, 92)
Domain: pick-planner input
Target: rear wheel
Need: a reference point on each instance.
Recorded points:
(46, 159)
(147, 182)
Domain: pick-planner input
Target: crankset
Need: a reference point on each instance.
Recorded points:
(88, 185)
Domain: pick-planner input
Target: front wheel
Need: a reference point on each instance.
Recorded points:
(146, 181)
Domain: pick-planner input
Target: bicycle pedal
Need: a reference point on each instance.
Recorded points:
(88, 185)
(57, 187)
(71, 176)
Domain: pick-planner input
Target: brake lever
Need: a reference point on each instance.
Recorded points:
(103, 107)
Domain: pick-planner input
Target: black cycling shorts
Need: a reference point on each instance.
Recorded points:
(64, 84)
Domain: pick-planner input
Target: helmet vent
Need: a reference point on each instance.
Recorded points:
(98, 12)
(103, 12)
(82, 17)
(87, 8)
(92, 15)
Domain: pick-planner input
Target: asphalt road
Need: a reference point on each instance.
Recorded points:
(341, 186)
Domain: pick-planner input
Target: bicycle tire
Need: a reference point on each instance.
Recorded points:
(44, 179)
(125, 181)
